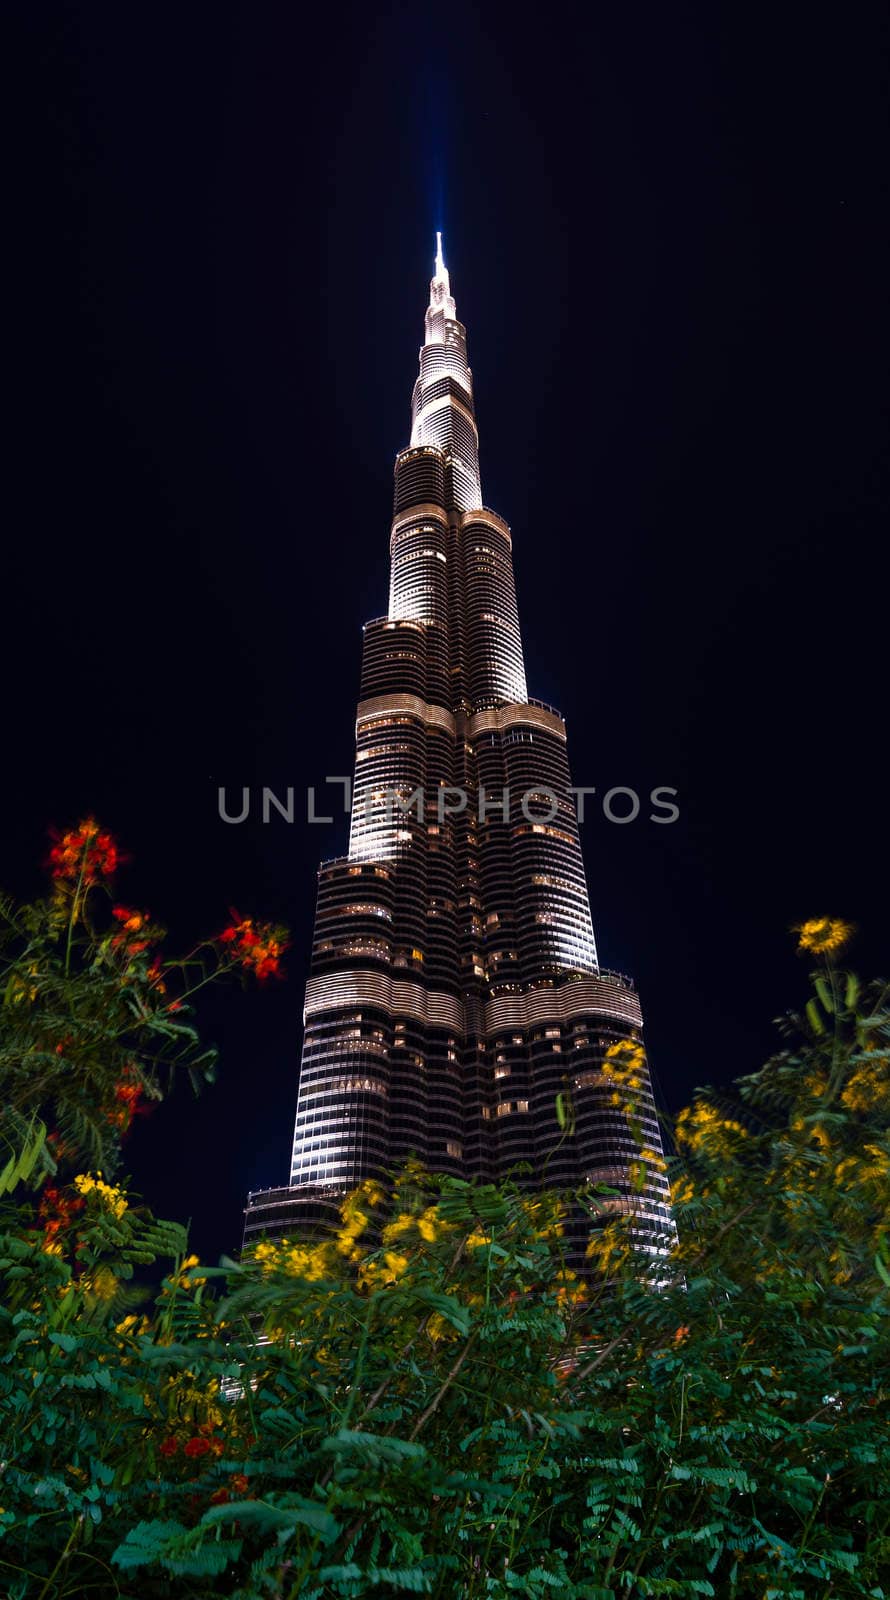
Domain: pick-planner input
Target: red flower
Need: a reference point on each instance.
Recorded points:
(132, 920)
(239, 1484)
(136, 933)
(130, 1104)
(170, 1446)
(256, 946)
(57, 1210)
(197, 1447)
(84, 854)
(219, 1497)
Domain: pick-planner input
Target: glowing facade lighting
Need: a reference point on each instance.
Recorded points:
(455, 989)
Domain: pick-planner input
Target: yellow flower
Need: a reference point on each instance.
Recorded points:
(397, 1264)
(309, 1262)
(800, 1124)
(112, 1198)
(102, 1283)
(404, 1223)
(477, 1240)
(704, 1130)
(570, 1290)
(430, 1225)
(816, 1084)
(610, 1246)
(868, 1089)
(823, 936)
(682, 1191)
(351, 1230)
(190, 1282)
(437, 1328)
(132, 1324)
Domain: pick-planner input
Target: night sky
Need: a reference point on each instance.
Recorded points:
(667, 230)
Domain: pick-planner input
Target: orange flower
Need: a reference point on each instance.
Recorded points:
(84, 854)
(136, 932)
(239, 1484)
(132, 920)
(681, 1334)
(255, 946)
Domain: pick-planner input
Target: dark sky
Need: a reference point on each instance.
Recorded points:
(667, 232)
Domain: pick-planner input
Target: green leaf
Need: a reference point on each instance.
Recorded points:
(824, 994)
(814, 1018)
(144, 1543)
(292, 1511)
(22, 1162)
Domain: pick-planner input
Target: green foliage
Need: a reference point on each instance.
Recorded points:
(426, 1401)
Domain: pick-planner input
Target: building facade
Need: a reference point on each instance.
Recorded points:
(454, 989)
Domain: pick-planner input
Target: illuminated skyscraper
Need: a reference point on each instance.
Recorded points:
(454, 987)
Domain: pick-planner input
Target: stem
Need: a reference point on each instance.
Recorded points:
(63, 1558)
(74, 900)
(812, 1516)
(434, 1403)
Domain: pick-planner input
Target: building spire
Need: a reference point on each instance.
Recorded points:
(441, 298)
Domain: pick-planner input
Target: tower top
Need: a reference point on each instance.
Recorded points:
(441, 298)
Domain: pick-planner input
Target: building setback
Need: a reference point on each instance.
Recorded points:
(454, 989)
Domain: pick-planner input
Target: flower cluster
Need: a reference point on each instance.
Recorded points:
(236, 1489)
(704, 1131)
(428, 1224)
(624, 1066)
(200, 1444)
(823, 936)
(381, 1270)
(256, 946)
(355, 1217)
(85, 854)
(56, 1211)
(868, 1087)
(136, 931)
(294, 1260)
(113, 1199)
(129, 1103)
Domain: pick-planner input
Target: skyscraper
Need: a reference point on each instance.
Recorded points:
(454, 988)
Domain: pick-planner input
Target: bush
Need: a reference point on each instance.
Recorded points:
(427, 1400)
